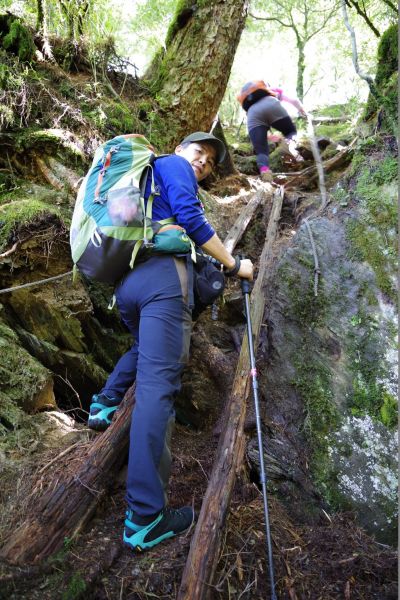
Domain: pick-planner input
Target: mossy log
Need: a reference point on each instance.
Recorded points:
(201, 563)
(64, 510)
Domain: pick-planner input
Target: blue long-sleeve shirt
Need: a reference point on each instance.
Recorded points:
(176, 181)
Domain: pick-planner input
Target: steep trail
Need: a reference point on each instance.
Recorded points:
(333, 559)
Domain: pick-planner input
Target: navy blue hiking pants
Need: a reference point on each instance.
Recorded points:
(154, 304)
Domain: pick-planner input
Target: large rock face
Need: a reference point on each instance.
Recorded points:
(329, 361)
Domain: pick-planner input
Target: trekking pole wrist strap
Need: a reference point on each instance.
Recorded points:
(234, 270)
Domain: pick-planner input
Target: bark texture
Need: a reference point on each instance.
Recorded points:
(193, 73)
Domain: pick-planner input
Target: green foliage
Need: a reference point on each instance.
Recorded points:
(68, 543)
(18, 39)
(76, 586)
(387, 56)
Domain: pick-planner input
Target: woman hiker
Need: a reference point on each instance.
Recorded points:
(155, 300)
(264, 110)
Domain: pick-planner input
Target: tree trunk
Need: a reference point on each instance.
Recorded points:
(300, 70)
(192, 75)
(227, 167)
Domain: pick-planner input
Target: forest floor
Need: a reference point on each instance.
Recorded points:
(331, 560)
(334, 559)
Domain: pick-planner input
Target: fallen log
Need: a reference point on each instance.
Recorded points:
(197, 578)
(330, 119)
(65, 508)
(310, 173)
(241, 223)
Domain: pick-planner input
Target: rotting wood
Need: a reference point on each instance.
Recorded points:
(241, 223)
(64, 510)
(197, 579)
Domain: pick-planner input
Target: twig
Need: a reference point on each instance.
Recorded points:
(63, 453)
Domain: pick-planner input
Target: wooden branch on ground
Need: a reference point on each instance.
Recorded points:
(241, 223)
(64, 509)
(329, 165)
(330, 119)
(197, 579)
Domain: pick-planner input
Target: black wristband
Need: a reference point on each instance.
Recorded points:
(235, 270)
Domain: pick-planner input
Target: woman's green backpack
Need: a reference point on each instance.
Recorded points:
(111, 222)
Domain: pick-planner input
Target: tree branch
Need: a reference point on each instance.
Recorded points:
(364, 15)
(364, 76)
(270, 19)
(391, 5)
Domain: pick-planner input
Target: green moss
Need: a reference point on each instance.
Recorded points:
(15, 214)
(21, 375)
(335, 131)
(389, 410)
(366, 350)
(386, 82)
(175, 25)
(19, 39)
(121, 119)
(387, 55)
(333, 110)
(304, 305)
(373, 234)
(313, 382)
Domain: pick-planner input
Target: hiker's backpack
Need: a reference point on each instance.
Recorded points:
(253, 91)
(111, 223)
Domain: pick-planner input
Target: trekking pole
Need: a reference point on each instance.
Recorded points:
(245, 283)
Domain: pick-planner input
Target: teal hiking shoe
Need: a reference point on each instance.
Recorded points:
(101, 412)
(168, 523)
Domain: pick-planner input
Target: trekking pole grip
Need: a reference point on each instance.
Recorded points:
(244, 283)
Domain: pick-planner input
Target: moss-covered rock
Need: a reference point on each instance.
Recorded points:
(385, 100)
(25, 382)
(373, 185)
(326, 363)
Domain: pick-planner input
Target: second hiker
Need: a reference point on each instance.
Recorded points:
(262, 104)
